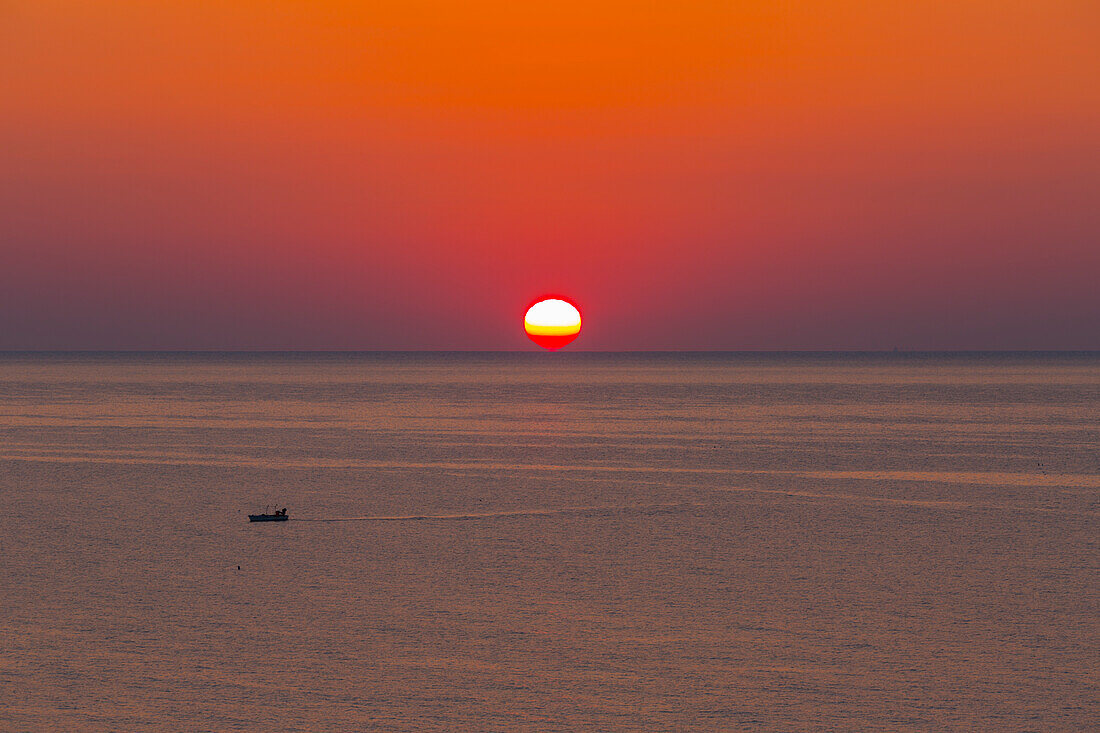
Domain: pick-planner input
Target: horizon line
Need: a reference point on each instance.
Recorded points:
(274, 351)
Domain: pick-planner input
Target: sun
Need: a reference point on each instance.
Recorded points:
(552, 323)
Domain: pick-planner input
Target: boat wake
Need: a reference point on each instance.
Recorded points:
(594, 511)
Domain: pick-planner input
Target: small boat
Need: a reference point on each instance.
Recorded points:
(279, 515)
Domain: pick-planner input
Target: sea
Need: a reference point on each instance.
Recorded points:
(550, 542)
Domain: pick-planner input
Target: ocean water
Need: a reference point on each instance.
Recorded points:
(483, 542)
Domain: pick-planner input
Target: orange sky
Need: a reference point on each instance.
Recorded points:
(186, 174)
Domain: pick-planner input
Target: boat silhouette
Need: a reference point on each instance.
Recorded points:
(279, 515)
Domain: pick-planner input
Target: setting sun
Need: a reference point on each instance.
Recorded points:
(552, 323)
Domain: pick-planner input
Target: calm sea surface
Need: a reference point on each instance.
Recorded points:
(550, 542)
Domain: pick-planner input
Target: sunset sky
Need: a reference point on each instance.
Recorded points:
(397, 174)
